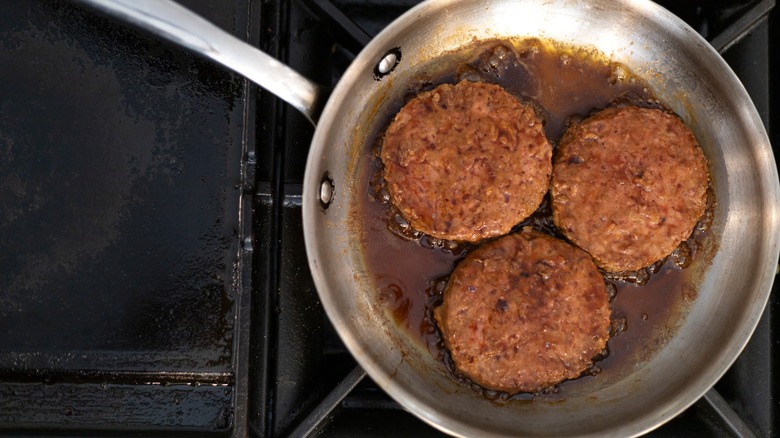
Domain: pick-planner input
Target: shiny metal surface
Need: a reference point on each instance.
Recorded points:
(691, 78)
(179, 25)
(684, 72)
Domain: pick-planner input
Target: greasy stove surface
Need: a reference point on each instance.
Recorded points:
(120, 171)
(153, 278)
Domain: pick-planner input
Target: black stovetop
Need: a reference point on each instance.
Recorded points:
(153, 278)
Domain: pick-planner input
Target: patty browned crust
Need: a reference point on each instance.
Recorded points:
(524, 312)
(628, 185)
(466, 162)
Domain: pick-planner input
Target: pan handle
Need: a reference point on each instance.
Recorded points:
(183, 27)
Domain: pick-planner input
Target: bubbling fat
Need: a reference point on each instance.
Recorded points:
(564, 85)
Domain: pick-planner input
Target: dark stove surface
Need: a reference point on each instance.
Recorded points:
(153, 278)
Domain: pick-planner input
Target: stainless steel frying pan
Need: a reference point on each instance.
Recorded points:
(684, 72)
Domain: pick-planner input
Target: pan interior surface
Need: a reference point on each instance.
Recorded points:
(688, 76)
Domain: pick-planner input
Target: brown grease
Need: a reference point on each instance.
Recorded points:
(410, 269)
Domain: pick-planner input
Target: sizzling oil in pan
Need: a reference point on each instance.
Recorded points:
(410, 269)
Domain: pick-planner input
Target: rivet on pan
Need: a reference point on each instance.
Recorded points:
(326, 191)
(388, 63)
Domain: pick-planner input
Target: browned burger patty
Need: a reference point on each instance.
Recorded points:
(524, 312)
(629, 184)
(466, 162)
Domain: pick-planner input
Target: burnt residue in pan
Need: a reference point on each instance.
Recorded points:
(410, 269)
